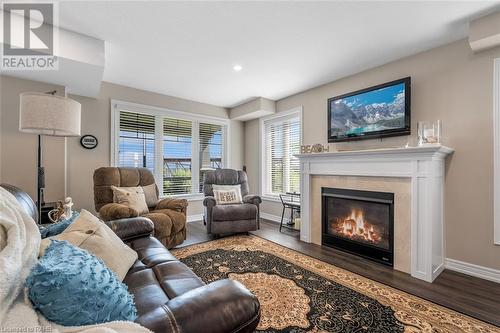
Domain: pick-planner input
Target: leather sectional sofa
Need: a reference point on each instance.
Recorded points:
(169, 297)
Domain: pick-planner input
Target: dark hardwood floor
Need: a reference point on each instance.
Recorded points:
(466, 294)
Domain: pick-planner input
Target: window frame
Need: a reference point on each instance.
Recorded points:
(160, 113)
(263, 165)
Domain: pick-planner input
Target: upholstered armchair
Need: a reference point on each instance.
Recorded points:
(168, 215)
(233, 218)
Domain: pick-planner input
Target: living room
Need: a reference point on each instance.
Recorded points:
(337, 171)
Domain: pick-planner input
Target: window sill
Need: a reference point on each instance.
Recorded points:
(188, 197)
(270, 197)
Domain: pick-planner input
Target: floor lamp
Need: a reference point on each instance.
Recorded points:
(47, 114)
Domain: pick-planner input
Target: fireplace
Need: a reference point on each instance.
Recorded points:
(360, 222)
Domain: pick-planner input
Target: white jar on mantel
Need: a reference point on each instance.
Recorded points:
(429, 132)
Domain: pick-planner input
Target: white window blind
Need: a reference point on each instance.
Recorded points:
(210, 149)
(282, 141)
(136, 140)
(177, 156)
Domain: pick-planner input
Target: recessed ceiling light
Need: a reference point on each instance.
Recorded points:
(237, 68)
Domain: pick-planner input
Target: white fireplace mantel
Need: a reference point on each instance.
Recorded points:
(423, 165)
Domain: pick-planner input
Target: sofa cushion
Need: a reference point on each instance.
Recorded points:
(157, 275)
(235, 212)
(150, 252)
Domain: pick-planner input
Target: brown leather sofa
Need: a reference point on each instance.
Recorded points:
(169, 297)
(168, 214)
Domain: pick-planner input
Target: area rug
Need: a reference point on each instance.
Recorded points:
(298, 293)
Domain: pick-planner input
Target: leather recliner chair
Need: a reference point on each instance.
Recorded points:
(168, 214)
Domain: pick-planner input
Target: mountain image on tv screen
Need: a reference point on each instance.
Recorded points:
(376, 110)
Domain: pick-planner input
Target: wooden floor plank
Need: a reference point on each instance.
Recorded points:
(466, 294)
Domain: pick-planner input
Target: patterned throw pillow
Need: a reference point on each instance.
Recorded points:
(132, 197)
(227, 194)
(71, 287)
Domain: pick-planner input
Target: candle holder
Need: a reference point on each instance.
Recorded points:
(429, 132)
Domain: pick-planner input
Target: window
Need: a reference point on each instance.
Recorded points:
(137, 140)
(210, 137)
(282, 139)
(176, 146)
(177, 153)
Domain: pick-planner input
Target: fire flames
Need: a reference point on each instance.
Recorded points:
(356, 227)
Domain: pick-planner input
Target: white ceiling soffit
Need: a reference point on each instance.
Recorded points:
(256, 108)
(81, 61)
(188, 49)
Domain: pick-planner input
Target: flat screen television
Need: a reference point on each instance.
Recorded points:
(375, 112)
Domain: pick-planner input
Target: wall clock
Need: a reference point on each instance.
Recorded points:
(88, 141)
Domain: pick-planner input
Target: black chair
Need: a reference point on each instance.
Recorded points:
(290, 201)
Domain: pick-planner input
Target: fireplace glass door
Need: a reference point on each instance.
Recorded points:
(360, 222)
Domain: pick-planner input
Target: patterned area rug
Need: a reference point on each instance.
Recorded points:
(298, 293)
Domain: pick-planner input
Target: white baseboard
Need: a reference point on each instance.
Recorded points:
(482, 272)
(194, 218)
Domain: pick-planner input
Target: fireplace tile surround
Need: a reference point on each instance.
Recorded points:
(415, 176)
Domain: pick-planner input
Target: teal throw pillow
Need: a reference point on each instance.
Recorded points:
(71, 287)
(57, 228)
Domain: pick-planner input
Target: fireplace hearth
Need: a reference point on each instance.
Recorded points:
(360, 222)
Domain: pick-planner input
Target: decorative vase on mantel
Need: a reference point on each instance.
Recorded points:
(429, 132)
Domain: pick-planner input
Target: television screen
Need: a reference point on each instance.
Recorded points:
(375, 112)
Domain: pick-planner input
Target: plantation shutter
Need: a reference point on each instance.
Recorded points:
(136, 146)
(210, 148)
(282, 142)
(177, 156)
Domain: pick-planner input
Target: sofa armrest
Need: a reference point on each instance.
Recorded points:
(131, 228)
(221, 306)
(252, 198)
(172, 203)
(115, 211)
(209, 201)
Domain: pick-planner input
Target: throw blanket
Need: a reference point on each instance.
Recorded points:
(19, 246)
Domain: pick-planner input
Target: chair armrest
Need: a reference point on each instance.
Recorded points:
(221, 306)
(115, 211)
(131, 228)
(209, 201)
(252, 198)
(172, 203)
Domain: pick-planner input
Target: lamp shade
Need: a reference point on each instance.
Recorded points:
(49, 115)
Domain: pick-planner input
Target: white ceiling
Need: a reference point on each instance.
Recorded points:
(188, 49)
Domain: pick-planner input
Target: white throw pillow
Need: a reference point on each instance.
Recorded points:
(89, 233)
(132, 197)
(227, 194)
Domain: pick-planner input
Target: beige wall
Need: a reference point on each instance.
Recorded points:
(18, 159)
(448, 83)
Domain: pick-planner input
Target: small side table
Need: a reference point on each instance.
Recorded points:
(291, 201)
(46, 208)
